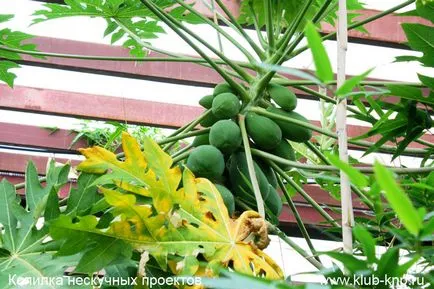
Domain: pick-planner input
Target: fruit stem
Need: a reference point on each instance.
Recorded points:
(303, 193)
(187, 128)
(297, 216)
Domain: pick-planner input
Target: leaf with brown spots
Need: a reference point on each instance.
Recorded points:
(190, 222)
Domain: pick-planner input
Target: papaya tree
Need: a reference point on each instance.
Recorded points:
(213, 203)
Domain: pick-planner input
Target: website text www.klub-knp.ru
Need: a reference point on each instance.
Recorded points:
(372, 280)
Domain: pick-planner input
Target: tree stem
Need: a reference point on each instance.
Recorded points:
(341, 130)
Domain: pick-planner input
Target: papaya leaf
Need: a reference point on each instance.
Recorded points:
(398, 200)
(5, 74)
(186, 222)
(121, 16)
(84, 196)
(36, 194)
(26, 251)
(420, 38)
(11, 39)
(427, 80)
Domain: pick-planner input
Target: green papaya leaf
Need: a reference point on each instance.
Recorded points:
(26, 251)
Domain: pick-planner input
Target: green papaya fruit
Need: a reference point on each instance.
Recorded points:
(292, 131)
(226, 105)
(222, 88)
(228, 198)
(284, 97)
(206, 161)
(264, 132)
(206, 101)
(240, 179)
(274, 202)
(225, 135)
(200, 140)
(285, 151)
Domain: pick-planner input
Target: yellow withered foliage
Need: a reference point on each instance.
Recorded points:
(186, 216)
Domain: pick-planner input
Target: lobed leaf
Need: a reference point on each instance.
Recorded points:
(185, 218)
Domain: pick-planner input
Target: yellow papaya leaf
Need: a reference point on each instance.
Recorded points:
(185, 219)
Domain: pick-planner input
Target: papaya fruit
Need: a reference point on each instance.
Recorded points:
(225, 135)
(228, 198)
(264, 132)
(206, 161)
(274, 202)
(209, 120)
(292, 131)
(206, 101)
(285, 151)
(240, 179)
(284, 97)
(222, 88)
(226, 105)
(200, 140)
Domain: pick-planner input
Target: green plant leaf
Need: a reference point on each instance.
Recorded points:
(5, 17)
(388, 262)
(398, 200)
(83, 197)
(36, 194)
(11, 39)
(25, 249)
(323, 66)
(367, 242)
(355, 176)
(427, 80)
(349, 85)
(121, 16)
(421, 38)
(425, 9)
(410, 93)
(349, 261)
(5, 74)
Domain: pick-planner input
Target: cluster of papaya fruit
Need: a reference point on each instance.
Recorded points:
(219, 155)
